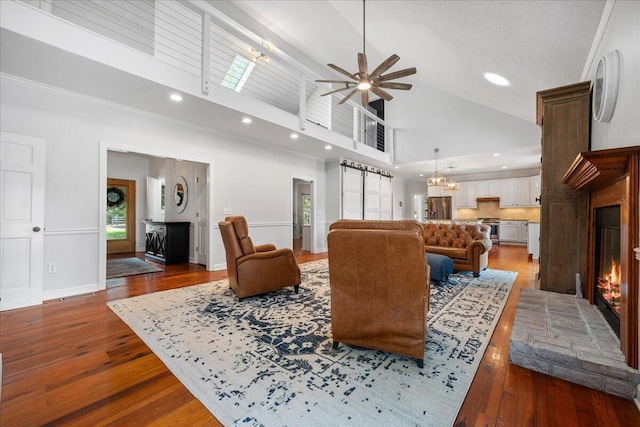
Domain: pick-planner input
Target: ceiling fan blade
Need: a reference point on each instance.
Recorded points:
(362, 65)
(384, 66)
(337, 90)
(349, 95)
(397, 74)
(381, 93)
(364, 98)
(342, 71)
(335, 81)
(390, 85)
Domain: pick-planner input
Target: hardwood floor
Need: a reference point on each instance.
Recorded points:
(74, 362)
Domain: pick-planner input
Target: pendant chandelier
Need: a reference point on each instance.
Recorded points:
(436, 180)
(452, 184)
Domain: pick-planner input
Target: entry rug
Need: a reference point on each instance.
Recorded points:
(122, 267)
(268, 360)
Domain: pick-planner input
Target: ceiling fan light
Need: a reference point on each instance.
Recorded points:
(364, 85)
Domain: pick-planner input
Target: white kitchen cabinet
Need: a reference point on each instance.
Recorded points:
(506, 193)
(521, 192)
(488, 188)
(534, 190)
(467, 195)
(533, 240)
(509, 231)
(516, 232)
(524, 231)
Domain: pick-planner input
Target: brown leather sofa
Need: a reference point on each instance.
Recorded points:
(255, 269)
(379, 285)
(467, 244)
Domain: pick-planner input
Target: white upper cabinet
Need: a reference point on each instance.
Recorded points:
(506, 193)
(488, 188)
(534, 190)
(521, 192)
(467, 195)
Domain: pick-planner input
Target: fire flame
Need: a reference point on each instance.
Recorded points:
(614, 274)
(609, 286)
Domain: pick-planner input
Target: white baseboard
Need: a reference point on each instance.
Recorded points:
(217, 267)
(637, 398)
(67, 292)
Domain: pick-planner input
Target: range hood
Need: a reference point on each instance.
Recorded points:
(488, 199)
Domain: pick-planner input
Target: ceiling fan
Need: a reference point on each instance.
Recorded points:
(375, 81)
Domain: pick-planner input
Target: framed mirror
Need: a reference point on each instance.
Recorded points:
(180, 194)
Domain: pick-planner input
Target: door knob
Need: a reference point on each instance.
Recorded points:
(36, 229)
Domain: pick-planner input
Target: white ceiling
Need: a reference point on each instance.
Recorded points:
(535, 44)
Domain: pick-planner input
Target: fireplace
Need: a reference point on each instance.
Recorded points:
(611, 178)
(607, 266)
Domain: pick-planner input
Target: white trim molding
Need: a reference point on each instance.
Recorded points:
(67, 292)
(604, 20)
(71, 231)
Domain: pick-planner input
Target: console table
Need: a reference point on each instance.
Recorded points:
(167, 242)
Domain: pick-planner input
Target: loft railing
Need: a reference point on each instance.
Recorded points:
(220, 52)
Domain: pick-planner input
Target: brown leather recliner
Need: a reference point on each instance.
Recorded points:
(379, 285)
(253, 269)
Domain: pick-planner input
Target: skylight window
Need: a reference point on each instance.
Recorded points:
(238, 73)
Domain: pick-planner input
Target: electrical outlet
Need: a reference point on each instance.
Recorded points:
(226, 211)
(52, 269)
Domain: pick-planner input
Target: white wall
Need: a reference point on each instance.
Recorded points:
(398, 188)
(622, 33)
(251, 179)
(134, 168)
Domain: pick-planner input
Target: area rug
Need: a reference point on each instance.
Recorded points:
(129, 267)
(268, 360)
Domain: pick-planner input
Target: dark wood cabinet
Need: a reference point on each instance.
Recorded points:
(167, 242)
(564, 115)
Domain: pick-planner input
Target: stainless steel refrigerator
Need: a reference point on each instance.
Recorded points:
(439, 208)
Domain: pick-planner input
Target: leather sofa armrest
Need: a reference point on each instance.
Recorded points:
(480, 246)
(286, 252)
(265, 247)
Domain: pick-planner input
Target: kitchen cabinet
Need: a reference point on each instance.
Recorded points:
(515, 192)
(533, 240)
(488, 188)
(521, 192)
(534, 190)
(467, 194)
(506, 193)
(167, 242)
(513, 232)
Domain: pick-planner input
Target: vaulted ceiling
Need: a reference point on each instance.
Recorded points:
(536, 45)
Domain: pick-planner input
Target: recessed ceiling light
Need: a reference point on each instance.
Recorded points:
(421, 174)
(294, 135)
(504, 167)
(246, 120)
(397, 167)
(496, 79)
(496, 154)
(175, 97)
(327, 147)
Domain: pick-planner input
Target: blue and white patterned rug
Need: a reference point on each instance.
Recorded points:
(268, 360)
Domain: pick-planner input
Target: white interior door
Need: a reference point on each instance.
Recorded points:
(202, 230)
(351, 193)
(22, 166)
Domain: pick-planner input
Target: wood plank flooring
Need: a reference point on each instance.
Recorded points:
(74, 362)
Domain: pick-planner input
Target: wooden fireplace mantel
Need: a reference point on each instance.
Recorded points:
(593, 169)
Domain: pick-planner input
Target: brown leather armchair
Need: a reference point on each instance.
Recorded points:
(253, 269)
(379, 285)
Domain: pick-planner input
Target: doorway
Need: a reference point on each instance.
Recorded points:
(121, 216)
(302, 215)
